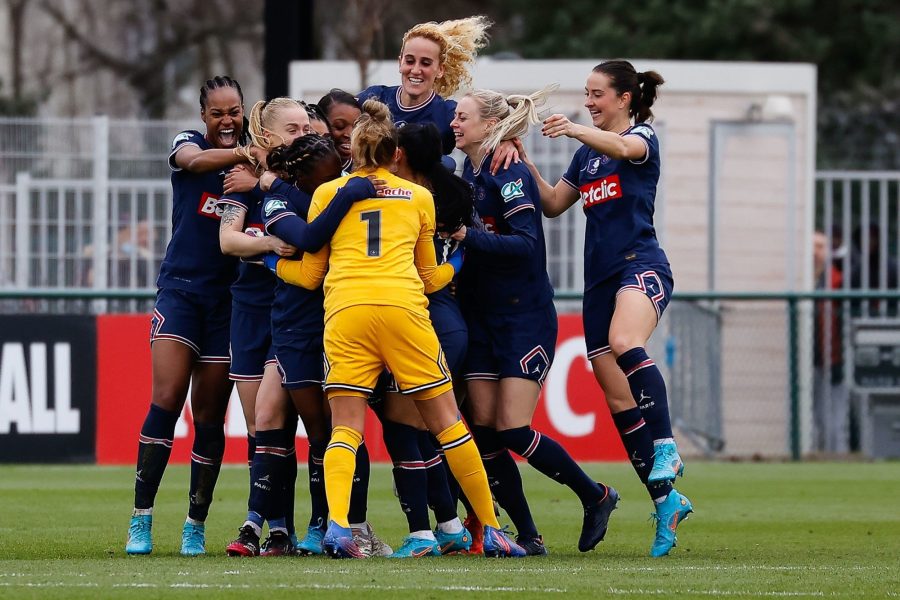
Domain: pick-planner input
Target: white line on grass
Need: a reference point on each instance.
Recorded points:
(289, 586)
(713, 592)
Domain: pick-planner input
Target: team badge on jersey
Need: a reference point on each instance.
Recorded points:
(181, 137)
(274, 204)
(512, 190)
(642, 130)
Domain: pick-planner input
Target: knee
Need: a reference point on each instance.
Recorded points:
(518, 439)
(620, 343)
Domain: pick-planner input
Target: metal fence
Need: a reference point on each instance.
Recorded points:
(85, 215)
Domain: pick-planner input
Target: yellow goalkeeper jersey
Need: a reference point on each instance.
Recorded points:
(382, 252)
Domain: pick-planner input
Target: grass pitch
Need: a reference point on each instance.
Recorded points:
(760, 530)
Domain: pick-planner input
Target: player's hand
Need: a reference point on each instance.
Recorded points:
(280, 247)
(456, 258)
(460, 234)
(379, 184)
(239, 179)
(271, 262)
(504, 155)
(520, 148)
(260, 155)
(557, 125)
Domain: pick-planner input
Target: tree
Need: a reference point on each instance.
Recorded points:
(854, 43)
(154, 45)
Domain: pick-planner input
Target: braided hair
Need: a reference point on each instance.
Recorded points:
(297, 161)
(224, 81)
(453, 198)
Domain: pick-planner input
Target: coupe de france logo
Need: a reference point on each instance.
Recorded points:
(181, 137)
(512, 190)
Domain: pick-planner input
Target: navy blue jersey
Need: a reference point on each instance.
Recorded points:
(506, 260)
(254, 288)
(442, 305)
(433, 110)
(618, 200)
(194, 262)
(297, 313)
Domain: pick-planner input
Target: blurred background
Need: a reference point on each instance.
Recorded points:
(778, 203)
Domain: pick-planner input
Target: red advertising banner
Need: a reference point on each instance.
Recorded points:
(572, 409)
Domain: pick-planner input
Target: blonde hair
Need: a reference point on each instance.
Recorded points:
(459, 42)
(374, 138)
(514, 113)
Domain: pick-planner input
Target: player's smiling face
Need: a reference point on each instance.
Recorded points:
(469, 129)
(287, 125)
(607, 109)
(224, 117)
(419, 67)
(342, 117)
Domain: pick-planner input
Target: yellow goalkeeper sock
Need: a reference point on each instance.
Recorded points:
(465, 463)
(340, 462)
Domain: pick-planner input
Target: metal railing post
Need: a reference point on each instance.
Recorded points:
(793, 377)
(22, 224)
(101, 208)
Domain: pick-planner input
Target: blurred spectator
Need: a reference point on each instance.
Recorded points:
(130, 255)
(871, 273)
(831, 398)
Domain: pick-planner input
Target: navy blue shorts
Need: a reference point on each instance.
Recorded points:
(301, 362)
(251, 344)
(600, 301)
(199, 321)
(515, 345)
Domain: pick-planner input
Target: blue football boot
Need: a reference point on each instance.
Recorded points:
(413, 547)
(311, 545)
(667, 464)
(669, 513)
(140, 538)
(453, 542)
(338, 542)
(497, 544)
(193, 539)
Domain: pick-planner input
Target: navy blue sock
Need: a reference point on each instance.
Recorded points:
(440, 498)
(317, 498)
(154, 449)
(359, 491)
(206, 460)
(638, 444)
(266, 474)
(649, 391)
(402, 443)
(547, 456)
(504, 479)
(251, 449)
(289, 482)
(456, 494)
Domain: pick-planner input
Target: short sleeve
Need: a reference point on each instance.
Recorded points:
(648, 136)
(239, 199)
(274, 208)
(512, 189)
(185, 138)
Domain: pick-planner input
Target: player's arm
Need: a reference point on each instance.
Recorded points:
(191, 158)
(555, 199)
(234, 242)
(433, 276)
(308, 273)
(615, 146)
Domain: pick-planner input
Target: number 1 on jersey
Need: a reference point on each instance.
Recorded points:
(373, 233)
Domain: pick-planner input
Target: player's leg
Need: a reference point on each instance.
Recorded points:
(174, 335)
(210, 392)
(267, 470)
(640, 302)
(414, 356)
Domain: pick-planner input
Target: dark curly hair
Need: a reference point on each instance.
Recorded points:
(297, 160)
(453, 197)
